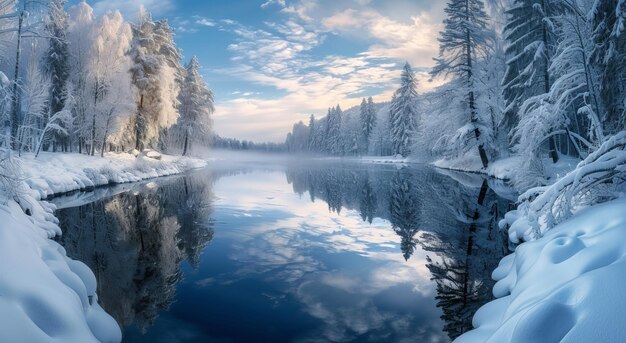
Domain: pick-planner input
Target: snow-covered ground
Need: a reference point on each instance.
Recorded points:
(510, 168)
(57, 173)
(566, 286)
(44, 295)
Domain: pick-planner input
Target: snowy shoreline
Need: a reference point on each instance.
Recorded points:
(49, 296)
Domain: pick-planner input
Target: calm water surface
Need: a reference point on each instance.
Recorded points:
(291, 253)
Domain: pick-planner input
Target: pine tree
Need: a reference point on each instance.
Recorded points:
(609, 53)
(57, 58)
(404, 113)
(312, 143)
(335, 146)
(368, 121)
(464, 40)
(531, 34)
(196, 106)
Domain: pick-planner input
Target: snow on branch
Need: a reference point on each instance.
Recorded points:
(598, 178)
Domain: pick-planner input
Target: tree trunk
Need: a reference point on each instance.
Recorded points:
(473, 117)
(186, 142)
(546, 79)
(15, 99)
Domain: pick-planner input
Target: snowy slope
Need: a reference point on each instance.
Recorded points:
(566, 286)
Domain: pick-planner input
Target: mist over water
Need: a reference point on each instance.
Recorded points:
(289, 251)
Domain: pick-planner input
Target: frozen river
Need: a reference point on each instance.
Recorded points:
(291, 252)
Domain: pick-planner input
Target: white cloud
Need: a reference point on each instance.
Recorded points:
(280, 56)
(280, 3)
(205, 22)
(415, 42)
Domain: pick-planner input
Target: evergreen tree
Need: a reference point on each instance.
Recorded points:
(368, 121)
(464, 40)
(312, 143)
(196, 107)
(531, 34)
(608, 56)
(335, 146)
(57, 58)
(404, 113)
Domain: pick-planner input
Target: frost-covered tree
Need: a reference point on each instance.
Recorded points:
(56, 61)
(156, 74)
(573, 105)
(333, 140)
(80, 34)
(608, 19)
(463, 41)
(367, 113)
(531, 34)
(113, 94)
(34, 105)
(404, 113)
(350, 134)
(196, 108)
(313, 141)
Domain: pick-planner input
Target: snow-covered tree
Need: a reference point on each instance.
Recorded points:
(334, 142)
(34, 105)
(196, 108)
(463, 41)
(81, 35)
(113, 94)
(367, 113)
(56, 61)
(531, 34)
(608, 18)
(313, 141)
(156, 74)
(573, 104)
(403, 117)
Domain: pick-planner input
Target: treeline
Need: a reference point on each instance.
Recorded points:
(531, 78)
(77, 82)
(236, 144)
(379, 129)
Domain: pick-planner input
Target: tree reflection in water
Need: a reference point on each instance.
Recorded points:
(135, 242)
(452, 216)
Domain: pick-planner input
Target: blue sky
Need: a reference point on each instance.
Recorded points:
(274, 62)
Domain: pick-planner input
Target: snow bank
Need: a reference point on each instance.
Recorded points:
(566, 286)
(510, 168)
(58, 173)
(44, 295)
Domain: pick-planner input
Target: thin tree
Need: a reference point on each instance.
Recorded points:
(464, 40)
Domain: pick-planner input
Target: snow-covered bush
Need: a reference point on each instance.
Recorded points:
(598, 178)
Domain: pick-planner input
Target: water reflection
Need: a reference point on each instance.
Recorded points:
(135, 242)
(452, 216)
(336, 253)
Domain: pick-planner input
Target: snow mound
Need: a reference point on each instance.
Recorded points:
(566, 286)
(48, 297)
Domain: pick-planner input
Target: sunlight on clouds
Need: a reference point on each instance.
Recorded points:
(280, 55)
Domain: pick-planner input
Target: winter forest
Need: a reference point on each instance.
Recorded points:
(94, 84)
(456, 171)
(523, 78)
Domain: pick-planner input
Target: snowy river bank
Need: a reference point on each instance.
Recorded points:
(46, 296)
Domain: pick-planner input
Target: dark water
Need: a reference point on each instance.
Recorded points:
(293, 253)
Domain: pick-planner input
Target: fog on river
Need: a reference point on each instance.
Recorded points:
(289, 251)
